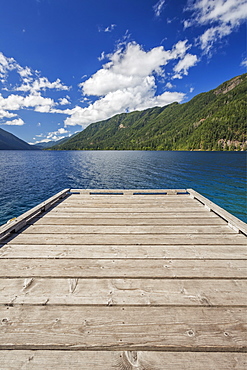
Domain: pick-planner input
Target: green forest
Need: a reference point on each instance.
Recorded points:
(214, 120)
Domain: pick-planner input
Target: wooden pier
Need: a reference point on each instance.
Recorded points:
(124, 279)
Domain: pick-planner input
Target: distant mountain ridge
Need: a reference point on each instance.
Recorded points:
(9, 141)
(214, 120)
(49, 144)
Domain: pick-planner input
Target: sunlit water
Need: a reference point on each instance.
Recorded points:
(30, 177)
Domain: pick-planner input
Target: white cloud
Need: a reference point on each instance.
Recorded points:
(158, 7)
(14, 122)
(110, 28)
(51, 136)
(184, 64)
(24, 72)
(244, 63)
(211, 35)
(16, 102)
(223, 16)
(107, 29)
(169, 85)
(30, 87)
(61, 131)
(6, 114)
(6, 65)
(129, 68)
(126, 100)
(128, 82)
(30, 81)
(41, 83)
(102, 56)
(187, 24)
(223, 11)
(64, 101)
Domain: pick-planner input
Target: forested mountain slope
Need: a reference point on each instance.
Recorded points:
(9, 141)
(214, 120)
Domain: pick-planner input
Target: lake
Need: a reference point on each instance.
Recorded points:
(29, 177)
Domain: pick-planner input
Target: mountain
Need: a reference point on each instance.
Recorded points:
(51, 143)
(9, 141)
(214, 120)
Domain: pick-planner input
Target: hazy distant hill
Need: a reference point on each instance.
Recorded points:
(9, 141)
(213, 120)
(51, 143)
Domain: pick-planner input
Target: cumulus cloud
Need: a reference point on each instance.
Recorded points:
(41, 83)
(51, 136)
(6, 114)
(64, 101)
(30, 81)
(6, 65)
(130, 66)
(158, 7)
(16, 102)
(127, 82)
(184, 64)
(223, 16)
(169, 85)
(29, 87)
(61, 131)
(14, 122)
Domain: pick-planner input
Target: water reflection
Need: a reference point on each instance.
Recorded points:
(29, 177)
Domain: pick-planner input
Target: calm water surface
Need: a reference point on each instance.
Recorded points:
(30, 177)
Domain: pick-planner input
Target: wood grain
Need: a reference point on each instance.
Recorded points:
(147, 268)
(48, 220)
(123, 239)
(133, 229)
(144, 282)
(130, 292)
(231, 252)
(123, 328)
(117, 360)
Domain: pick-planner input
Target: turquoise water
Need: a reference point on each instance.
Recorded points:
(30, 177)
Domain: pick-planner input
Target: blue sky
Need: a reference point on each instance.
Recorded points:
(67, 63)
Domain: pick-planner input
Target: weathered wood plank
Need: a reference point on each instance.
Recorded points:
(151, 203)
(55, 213)
(131, 197)
(116, 360)
(125, 272)
(137, 239)
(142, 292)
(126, 328)
(124, 251)
(19, 222)
(233, 221)
(147, 268)
(132, 229)
(47, 220)
(123, 202)
(128, 209)
(104, 192)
